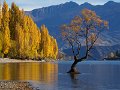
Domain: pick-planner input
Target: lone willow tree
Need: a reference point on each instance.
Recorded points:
(83, 30)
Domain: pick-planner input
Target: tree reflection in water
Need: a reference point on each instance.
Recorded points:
(43, 72)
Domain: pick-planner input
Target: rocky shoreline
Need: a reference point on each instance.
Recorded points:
(15, 85)
(7, 60)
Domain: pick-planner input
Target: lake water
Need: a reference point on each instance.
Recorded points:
(95, 75)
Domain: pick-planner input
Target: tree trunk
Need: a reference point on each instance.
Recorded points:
(73, 69)
(5, 55)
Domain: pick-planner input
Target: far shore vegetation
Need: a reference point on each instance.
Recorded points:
(20, 38)
(113, 55)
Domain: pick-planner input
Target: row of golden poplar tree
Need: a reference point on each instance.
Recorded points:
(21, 38)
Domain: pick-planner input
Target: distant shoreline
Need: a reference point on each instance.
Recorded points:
(7, 60)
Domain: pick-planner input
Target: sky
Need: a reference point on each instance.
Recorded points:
(32, 4)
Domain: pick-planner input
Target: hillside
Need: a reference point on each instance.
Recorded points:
(54, 16)
(97, 53)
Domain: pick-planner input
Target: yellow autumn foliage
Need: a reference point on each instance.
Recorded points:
(21, 38)
(48, 45)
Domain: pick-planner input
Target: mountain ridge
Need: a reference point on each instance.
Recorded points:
(71, 2)
(54, 16)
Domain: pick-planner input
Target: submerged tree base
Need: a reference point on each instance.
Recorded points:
(73, 71)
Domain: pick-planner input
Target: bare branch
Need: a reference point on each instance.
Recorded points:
(86, 27)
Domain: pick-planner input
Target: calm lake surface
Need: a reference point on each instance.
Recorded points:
(95, 75)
